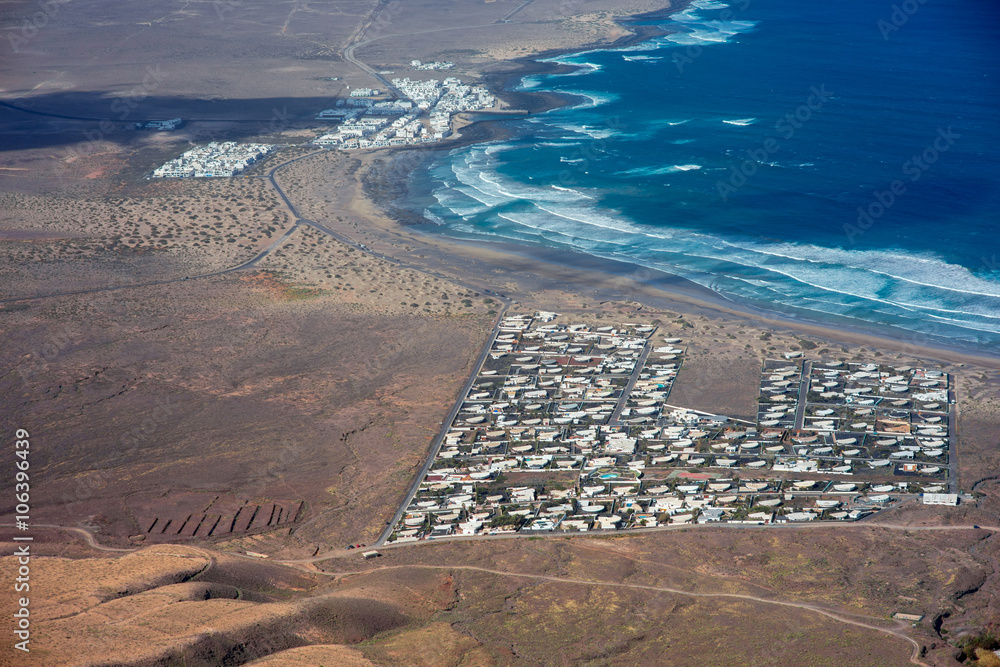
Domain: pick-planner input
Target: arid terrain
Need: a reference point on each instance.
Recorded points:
(679, 598)
(206, 372)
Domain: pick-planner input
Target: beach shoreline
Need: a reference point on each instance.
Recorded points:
(530, 274)
(227, 380)
(607, 279)
(389, 188)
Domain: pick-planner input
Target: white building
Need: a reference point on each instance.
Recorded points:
(217, 159)
(940, 499)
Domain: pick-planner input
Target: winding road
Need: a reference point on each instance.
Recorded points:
(897, 631)
(445, 425)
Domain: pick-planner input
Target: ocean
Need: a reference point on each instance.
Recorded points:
(835, 162)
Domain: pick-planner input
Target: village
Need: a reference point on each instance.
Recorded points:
(568, 428)
(424, 114)
(423, 111)
(222, 159)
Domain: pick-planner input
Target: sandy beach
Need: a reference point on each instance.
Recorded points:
(527, 271)
(191, 351)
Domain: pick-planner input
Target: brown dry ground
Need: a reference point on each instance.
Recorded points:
(243, 386)
(284, 383)
(272, 383)
(488, 603)
(476, 42)
(322, 375)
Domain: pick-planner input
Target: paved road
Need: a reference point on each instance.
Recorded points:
(800, 408)
(813, 525)
(633, 378)
(952, 442)
(439, 438)
(515, 11)
(281, 193)
(360, 246)
(344, 553)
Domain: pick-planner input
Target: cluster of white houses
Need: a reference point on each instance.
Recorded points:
(217, 159)
(889, 417)
(377, 129)
(159, 125)
(437, 64)
(424, 115)
(567, 427)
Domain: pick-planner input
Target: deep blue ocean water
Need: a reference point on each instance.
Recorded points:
(803, 157)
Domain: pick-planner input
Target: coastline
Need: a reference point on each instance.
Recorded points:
(481, 126)
(606, 279)
(523, 272)
(540, 64)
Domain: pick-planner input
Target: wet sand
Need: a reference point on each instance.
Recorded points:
(548, 278)
(534, 268)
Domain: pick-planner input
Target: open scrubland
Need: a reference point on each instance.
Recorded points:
(681, 598)
(284, 408)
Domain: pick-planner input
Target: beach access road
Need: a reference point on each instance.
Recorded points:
(800, 408)
(633, 378)
(445, 425)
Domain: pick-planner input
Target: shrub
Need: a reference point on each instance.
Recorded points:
(977, 648)
(986, 658)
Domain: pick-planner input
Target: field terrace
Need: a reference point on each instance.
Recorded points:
(567, 428)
